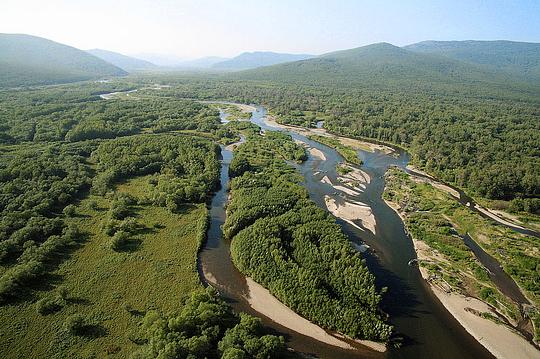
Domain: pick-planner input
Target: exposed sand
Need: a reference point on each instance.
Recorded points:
(358, 175)
(265, 303)
(343, 189)
(347, 190)
(360, 247)
(364, 145)
(326, 180)
(233, 145)
(352, 211)
(496, 218)
(355, 178)
(500, 340)
(416, 169)
(318, 154)
(357, 144)
(245, 108)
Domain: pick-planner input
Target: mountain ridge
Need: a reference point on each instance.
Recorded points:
(32, 60)
(126, 63)
(249, 60)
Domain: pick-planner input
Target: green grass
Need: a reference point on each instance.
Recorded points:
(430, 215)
(113, 289)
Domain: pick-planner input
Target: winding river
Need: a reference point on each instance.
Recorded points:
(429, 330)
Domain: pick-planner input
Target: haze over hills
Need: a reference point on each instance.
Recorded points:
(31, 60)
(250, 60)
(519, 58)
(124, 62)
(203, 62)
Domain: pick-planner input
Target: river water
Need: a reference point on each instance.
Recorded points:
(429, 331)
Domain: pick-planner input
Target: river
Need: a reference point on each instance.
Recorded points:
(428, 329)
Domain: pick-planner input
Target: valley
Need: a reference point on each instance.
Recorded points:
(380, 201)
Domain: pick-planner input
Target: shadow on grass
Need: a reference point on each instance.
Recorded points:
(47, 279)
(92, 331)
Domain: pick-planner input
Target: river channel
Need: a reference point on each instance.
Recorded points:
(429, 331)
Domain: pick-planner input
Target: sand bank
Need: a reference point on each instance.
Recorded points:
(318, 154)
(497, 218)
(357, 144)
(501, 341)
(265, 303)
(352, 211)
(452, 192)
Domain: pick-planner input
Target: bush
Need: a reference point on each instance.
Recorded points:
(46, 306)
(69, 211)
(75, 324)
(119, 240)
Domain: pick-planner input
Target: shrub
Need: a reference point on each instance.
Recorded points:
(69, 211)
(46, 306)
(75, 324)
(119, 239)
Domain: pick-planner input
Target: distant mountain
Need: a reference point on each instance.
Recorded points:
(379, 64)
(203, 62)
(518, 58)
(250, 60)
(31, 60)
(124, 62)
(161, 60)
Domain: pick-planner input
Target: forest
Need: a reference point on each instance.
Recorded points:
(206, 327)
(484, 140)
(103, 211)
(285, 242)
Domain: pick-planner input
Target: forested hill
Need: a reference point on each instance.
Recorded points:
(519, 58)
(30, 60)
(387, 66)
(250, 60)
(124, 62)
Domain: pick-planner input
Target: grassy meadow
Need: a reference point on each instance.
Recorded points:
(111, 289)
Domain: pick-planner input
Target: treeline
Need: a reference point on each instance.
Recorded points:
(206, 327)
(185, 168)
(348, 153)
(485, 141)
(285, 242)
(35, 185)
(40, 117)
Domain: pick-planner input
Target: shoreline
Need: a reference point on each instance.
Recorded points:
(498, 339)
(357, 144)
(261, 300)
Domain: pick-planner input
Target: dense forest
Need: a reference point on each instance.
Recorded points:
(285, 242)
(484, 140)
(206, 327)
(98, 194)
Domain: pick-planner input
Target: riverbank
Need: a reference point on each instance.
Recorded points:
(356, 144)
(502, 341)
(261, 300)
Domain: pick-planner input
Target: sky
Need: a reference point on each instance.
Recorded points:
(197, 28)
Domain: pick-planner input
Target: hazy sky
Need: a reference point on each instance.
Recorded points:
(189, 28)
